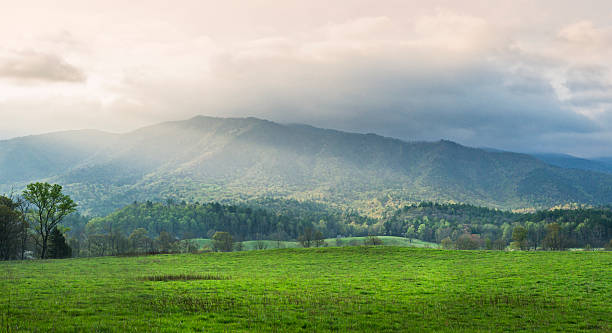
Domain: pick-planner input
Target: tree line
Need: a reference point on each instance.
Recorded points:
(459, 226)
(470, 227)
(42, 222)
(169, 226)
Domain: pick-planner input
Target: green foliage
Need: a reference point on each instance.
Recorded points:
(164, 242)
(140, 241)
(519, 235)
(433, 222)
(346, 241)
(311, 237)
(372, 240)
(467, 242)
(282, 221)
(223, 242)
(58, 248)
(49, 207)
(246, 222)
(447, 243)
(13, 229)
(554, 239)
(350, 289)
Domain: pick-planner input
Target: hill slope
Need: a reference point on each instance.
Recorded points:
(572, 162)
(206, 158)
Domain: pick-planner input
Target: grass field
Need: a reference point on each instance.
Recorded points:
(346, 241)
(323, 289)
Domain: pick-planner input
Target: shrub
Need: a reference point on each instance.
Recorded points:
(372, 240)
(466, 242)
(447, 243)
(223, 241)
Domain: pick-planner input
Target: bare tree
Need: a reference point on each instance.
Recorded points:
(260, 244)
(307, 238)
(311, 237)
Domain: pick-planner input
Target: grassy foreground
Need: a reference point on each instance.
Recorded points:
(323, 289)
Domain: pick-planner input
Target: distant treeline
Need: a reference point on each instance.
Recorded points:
(490, 228)
(287, 219)
(246, 222)
(168, 226)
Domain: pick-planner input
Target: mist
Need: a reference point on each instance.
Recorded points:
(536, 79)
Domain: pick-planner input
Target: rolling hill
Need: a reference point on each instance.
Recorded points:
(236, 159)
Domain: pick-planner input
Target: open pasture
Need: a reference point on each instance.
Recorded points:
(323, 289)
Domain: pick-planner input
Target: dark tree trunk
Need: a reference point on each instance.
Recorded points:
(43, 253)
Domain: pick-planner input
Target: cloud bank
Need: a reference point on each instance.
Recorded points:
(523, 81)
(29, 65)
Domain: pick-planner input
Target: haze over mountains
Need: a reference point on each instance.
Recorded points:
(573, 162)
(234, 159)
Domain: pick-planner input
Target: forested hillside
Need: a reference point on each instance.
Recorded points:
(577, 227)
(202, 220)
(455, 225)
(234, 160)
(572, 162)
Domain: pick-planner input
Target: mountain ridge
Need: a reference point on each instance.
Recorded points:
(236, 159)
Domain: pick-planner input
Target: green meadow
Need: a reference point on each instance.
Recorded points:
(206, 243)
(340, 289)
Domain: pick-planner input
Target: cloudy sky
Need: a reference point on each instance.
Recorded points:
(521, 75)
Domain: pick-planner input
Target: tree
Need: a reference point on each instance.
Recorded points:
(50, 206)
(260, 244)
(307, 237)
(97, 245)
(164, 241)
(554, 240)
(410, 233)
(499, 244)
(519, 235)
(488, 244)
(13, 229)
(58, 248)
(319, 240)
(140, 241)
(372, 240)
(279, 237)
(223, 241)
(447, 243)
(422, 231)
(535, 233)
(467, 242)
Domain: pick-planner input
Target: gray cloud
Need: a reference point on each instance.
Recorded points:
(588, 78)
(31, 65)
(401, 92)
(523, 76)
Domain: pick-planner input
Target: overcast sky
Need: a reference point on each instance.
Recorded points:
(522, 75)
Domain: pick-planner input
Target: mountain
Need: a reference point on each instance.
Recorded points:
(44, 156)
(238, 159)
(572, 162)
(606, 160)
